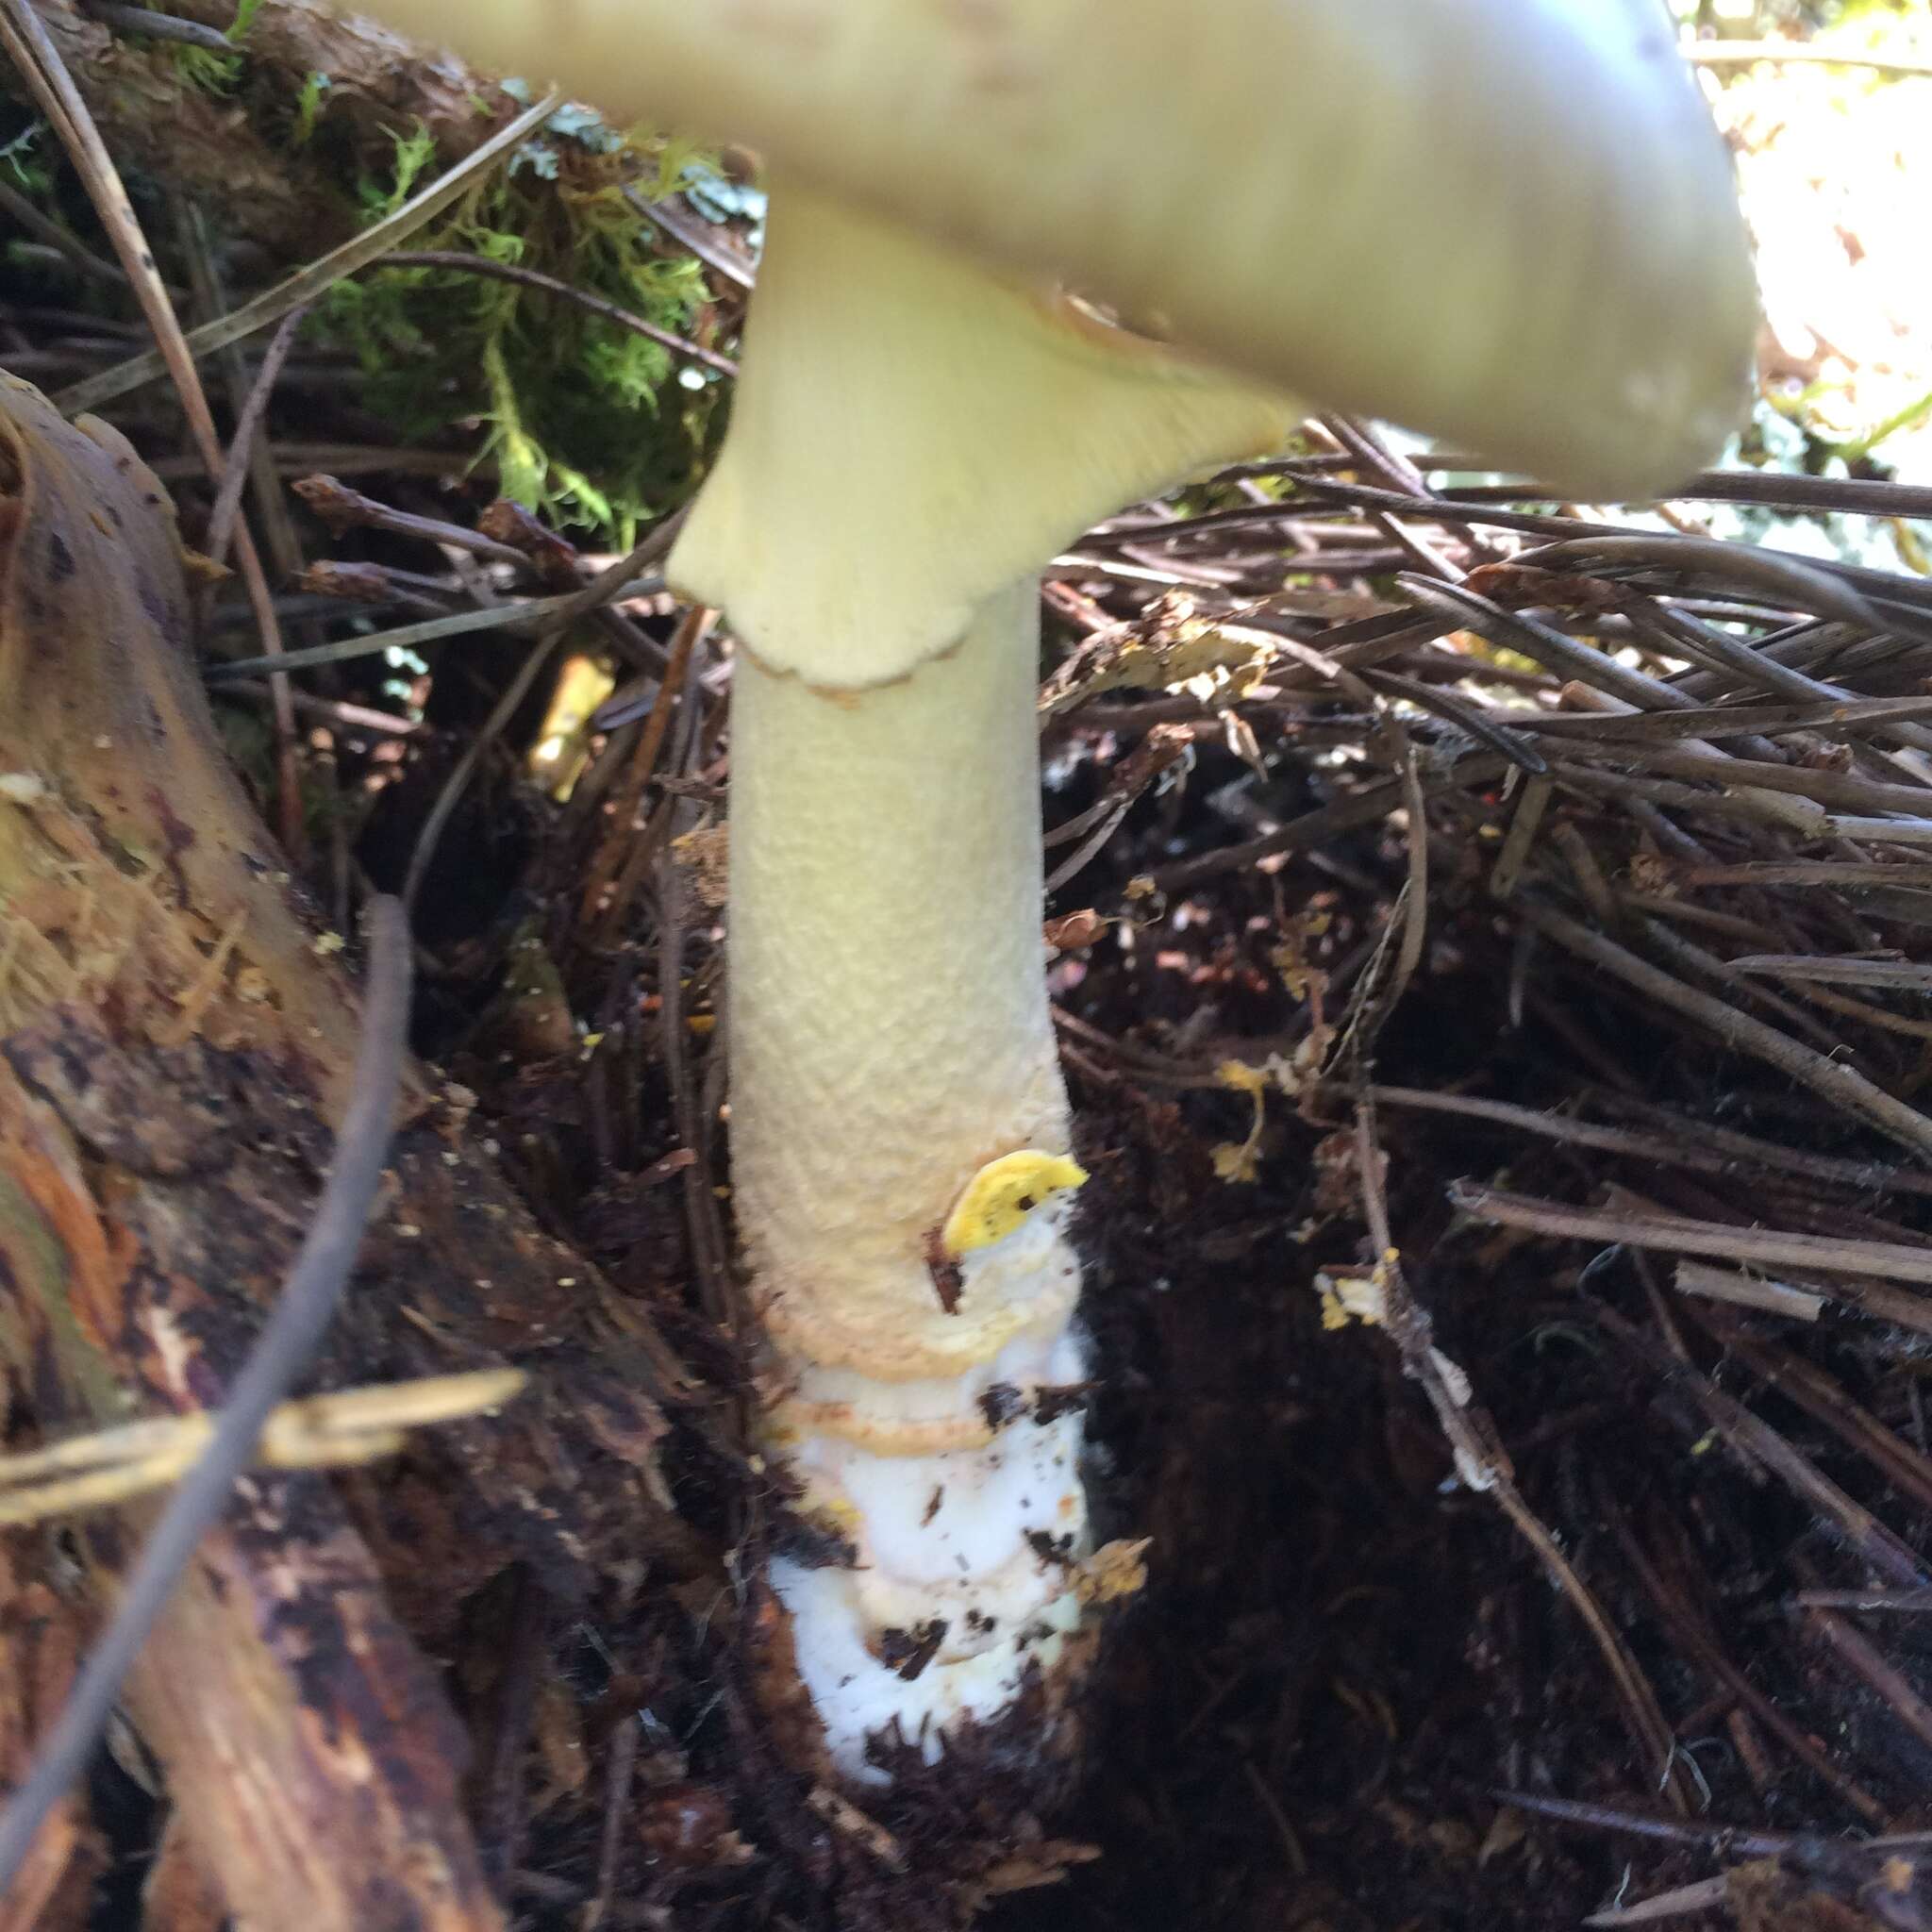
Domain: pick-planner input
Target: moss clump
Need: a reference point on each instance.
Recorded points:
(213, 73)
(590, 424)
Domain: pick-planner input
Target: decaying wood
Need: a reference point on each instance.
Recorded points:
(174, 1044)
(37, 1638)
(224, 151)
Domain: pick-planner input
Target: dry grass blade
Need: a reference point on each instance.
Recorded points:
(1702, 1895)
(307, 284)
(337, 1430)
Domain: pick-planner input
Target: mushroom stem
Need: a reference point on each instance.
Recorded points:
(913, 436)
(889, 1033)
(889, 1037)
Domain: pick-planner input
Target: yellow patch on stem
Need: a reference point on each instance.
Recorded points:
(1002, 1194)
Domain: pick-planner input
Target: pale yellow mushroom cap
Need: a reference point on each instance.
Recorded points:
(1505, 222)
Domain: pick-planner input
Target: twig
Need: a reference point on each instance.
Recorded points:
(1695, 1636)
(619, 1773)
(289, 1337)
(1718, 1839)
(505, 708)
(1748, 1291)
(1770, 487)
(234, 474)
(1705, 1148)
(1482, 1464)
(531, 615)
(1759, 1246)
(1841, 1085)
(690, 233)
(1819, 1395)
(1363, 808)
(342, 509)
(347, 717)
(1464, 610)
(1902, 595)
(1897, 976)
(1721, 721)
(595, 305)
(559, 614)
(1701, 1895)
(32, 50)
(158, 26)
(1869, 1539)
(113, 1466)
(18, 208)
(1792, 52)
(1814, 587)
(307, 283)
(595, 898)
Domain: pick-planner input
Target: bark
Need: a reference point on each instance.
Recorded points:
(175, 1045)
(238, 155)
(38, 1638)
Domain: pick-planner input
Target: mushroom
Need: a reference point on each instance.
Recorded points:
(1505, 220)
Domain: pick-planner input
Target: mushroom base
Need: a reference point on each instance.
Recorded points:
(964, 1583)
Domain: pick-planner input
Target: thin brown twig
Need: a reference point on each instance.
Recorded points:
(1747, 1246)
(235, 470)
(1841, 1086)
(18, 208)
(32, 49)
(595, 898)
(611, 312)
(1700, 1147)
(1484, 1465)
(319, 274)
(1710, 1655)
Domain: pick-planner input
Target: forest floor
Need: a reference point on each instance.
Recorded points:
(1497, 1023)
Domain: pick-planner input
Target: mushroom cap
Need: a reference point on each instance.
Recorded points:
(1505, 222)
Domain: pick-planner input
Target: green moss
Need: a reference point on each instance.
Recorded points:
(24, 164)
(212, 73)
(586, 421)
(308, 108)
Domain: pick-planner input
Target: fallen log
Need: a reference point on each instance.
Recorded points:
(175, 1035)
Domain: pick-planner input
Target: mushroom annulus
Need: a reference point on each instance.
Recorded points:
(1507, 221)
